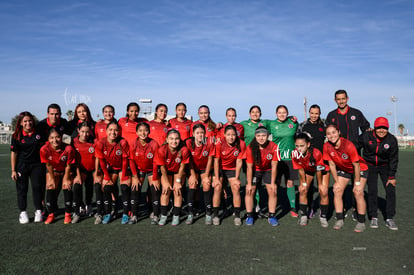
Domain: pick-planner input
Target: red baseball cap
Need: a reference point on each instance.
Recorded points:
(381, 122)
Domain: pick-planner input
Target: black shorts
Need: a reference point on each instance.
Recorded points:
(364, 174)
(262, 176)
(285, 168)
(228, 174)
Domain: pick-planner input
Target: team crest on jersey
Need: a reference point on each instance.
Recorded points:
(91, 150)
(63, 158)
(353, 117)
(178, 160)
(269, 156)
(118, 152)
(205, 154)
(236, 153)
(290, 125)
(37, 137)
(150, 156)
(344, 156)
(386, 146)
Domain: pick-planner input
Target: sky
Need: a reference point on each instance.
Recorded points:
(219, 53)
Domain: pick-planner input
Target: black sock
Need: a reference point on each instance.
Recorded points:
(107, 192)
(237, 212)
(207, 202)
(164, 210)
(50, 201)
(216, 211)
(99, 198)
(190, 197)
(303, 209)
(176, 210)
(126, 198)
(361, 218)
(68, 197)
(155, 197)
(77, 197)
(324, 210)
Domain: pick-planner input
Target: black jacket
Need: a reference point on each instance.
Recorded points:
(380, 152)
(349, 123)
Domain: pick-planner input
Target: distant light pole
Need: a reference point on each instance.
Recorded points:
(394, 100)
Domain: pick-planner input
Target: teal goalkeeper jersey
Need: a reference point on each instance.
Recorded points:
(250, 128)
(283, 134)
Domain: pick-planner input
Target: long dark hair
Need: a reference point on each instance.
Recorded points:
(18, 131)
(306, 136)
(237, 140)
(255, 146)
(211, 124)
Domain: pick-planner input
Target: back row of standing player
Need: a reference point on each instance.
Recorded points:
(211, 148)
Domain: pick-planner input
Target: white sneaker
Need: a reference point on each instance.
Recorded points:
(23, 217)
(38, 216)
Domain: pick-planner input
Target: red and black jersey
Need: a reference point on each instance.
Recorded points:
(60, 158)
(85, 155)
(200, 154)
(267, 155)
(239, 129)
(229, 155)
(43, 128)
(300, 161)
(158, 131)
(344, 156)
(144, 156)
(172, 161)
(129, 128)
(27, 148)
(210, 133)
(184, 127)
(348, 123)
(380, 152)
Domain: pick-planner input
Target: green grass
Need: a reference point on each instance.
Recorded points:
(85, 248)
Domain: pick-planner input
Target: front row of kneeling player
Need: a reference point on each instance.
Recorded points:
(166, 168)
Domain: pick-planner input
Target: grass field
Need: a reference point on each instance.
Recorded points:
(85, 248)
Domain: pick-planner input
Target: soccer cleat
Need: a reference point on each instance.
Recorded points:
(324, 222)
(98, 219)
(359, 227)
(273, 221)
(190, 219)
(237, 221)
(216, 220)
(303, 221)
(163, 220)
(106, 219)
(374, 223)
(89, 210)
(38, 216)
(175, 220)
(293, 213)
(133, 220)
(209, 220)
(338, 224)
(249, 221)
(391, 224)
(23, 217)
(75, 218)
(68, 218)
(154, 220)
(125, 219)
(50, 218)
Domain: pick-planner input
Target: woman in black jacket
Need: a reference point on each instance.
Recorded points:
(380, 150)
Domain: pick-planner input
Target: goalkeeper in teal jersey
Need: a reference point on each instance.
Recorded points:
(283, 131)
